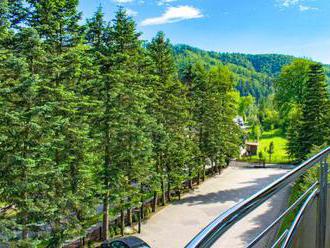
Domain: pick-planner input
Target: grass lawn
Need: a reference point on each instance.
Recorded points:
(280, 155)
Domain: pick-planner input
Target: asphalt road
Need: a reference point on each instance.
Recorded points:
(175, 225)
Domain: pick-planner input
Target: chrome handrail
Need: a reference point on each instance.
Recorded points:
(289, 239)
(275, 222)
(211, 233)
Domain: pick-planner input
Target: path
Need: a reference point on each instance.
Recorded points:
(175, 225)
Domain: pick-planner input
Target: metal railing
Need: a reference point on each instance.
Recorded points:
(214, 231)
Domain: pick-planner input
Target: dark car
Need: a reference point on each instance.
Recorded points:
(126, 242)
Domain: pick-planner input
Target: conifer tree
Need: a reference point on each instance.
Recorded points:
(222, 135)
(61, 117)
(173, 116)
(195, 78)
(124, 122)
(22, 177)
(314, 128)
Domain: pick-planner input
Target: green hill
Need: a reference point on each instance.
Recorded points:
(254, 74)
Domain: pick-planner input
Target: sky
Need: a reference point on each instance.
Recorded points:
(294, 27)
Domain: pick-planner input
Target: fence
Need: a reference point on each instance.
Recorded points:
(94, 234)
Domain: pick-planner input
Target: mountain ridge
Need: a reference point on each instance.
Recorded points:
(254, 73)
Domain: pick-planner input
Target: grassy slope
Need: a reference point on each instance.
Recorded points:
(280, 155)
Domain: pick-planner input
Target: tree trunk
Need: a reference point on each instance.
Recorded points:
(199, 177)
(155, 202)
(218, 165)
(190, 184)
(105, 225)
(122, 222)
(190, 181)
(142, 211)
(163, 192)
(25, 233)
(139, 222)
(82, 242)
(129, 217)
(213, 167)
(169, 191)
(204, 172)
(107, 162)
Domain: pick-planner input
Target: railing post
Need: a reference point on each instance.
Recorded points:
(322, 223)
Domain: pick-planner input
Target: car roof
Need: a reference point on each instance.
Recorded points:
(131, 241)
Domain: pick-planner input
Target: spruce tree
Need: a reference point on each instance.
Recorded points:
(64, 149)
(171, 109)
(22, 177)
(195, 78)
(123, 121)
(222, 135)
(314, 127)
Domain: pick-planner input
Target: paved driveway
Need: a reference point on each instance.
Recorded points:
(175, 225)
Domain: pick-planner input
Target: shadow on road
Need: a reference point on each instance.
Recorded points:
(258, 220)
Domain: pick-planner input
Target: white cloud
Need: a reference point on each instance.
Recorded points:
(131, 12)
(123, 1)
(174, 14)
(162, 2)
(297, 4)
(288, 3)
(306, 8)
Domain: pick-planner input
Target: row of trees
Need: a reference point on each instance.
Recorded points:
(93, 116)
(304, 107)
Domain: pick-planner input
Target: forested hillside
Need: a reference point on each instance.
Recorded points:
(254, 74)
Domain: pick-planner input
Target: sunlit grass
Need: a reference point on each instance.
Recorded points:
(280, 155)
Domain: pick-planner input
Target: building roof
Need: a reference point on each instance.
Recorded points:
(252, 143)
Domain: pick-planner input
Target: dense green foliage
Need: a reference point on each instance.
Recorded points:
(253, 74)
(92, 117)
(304, 101)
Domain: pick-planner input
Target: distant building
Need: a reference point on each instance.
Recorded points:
(240, 122)
(251, 148)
